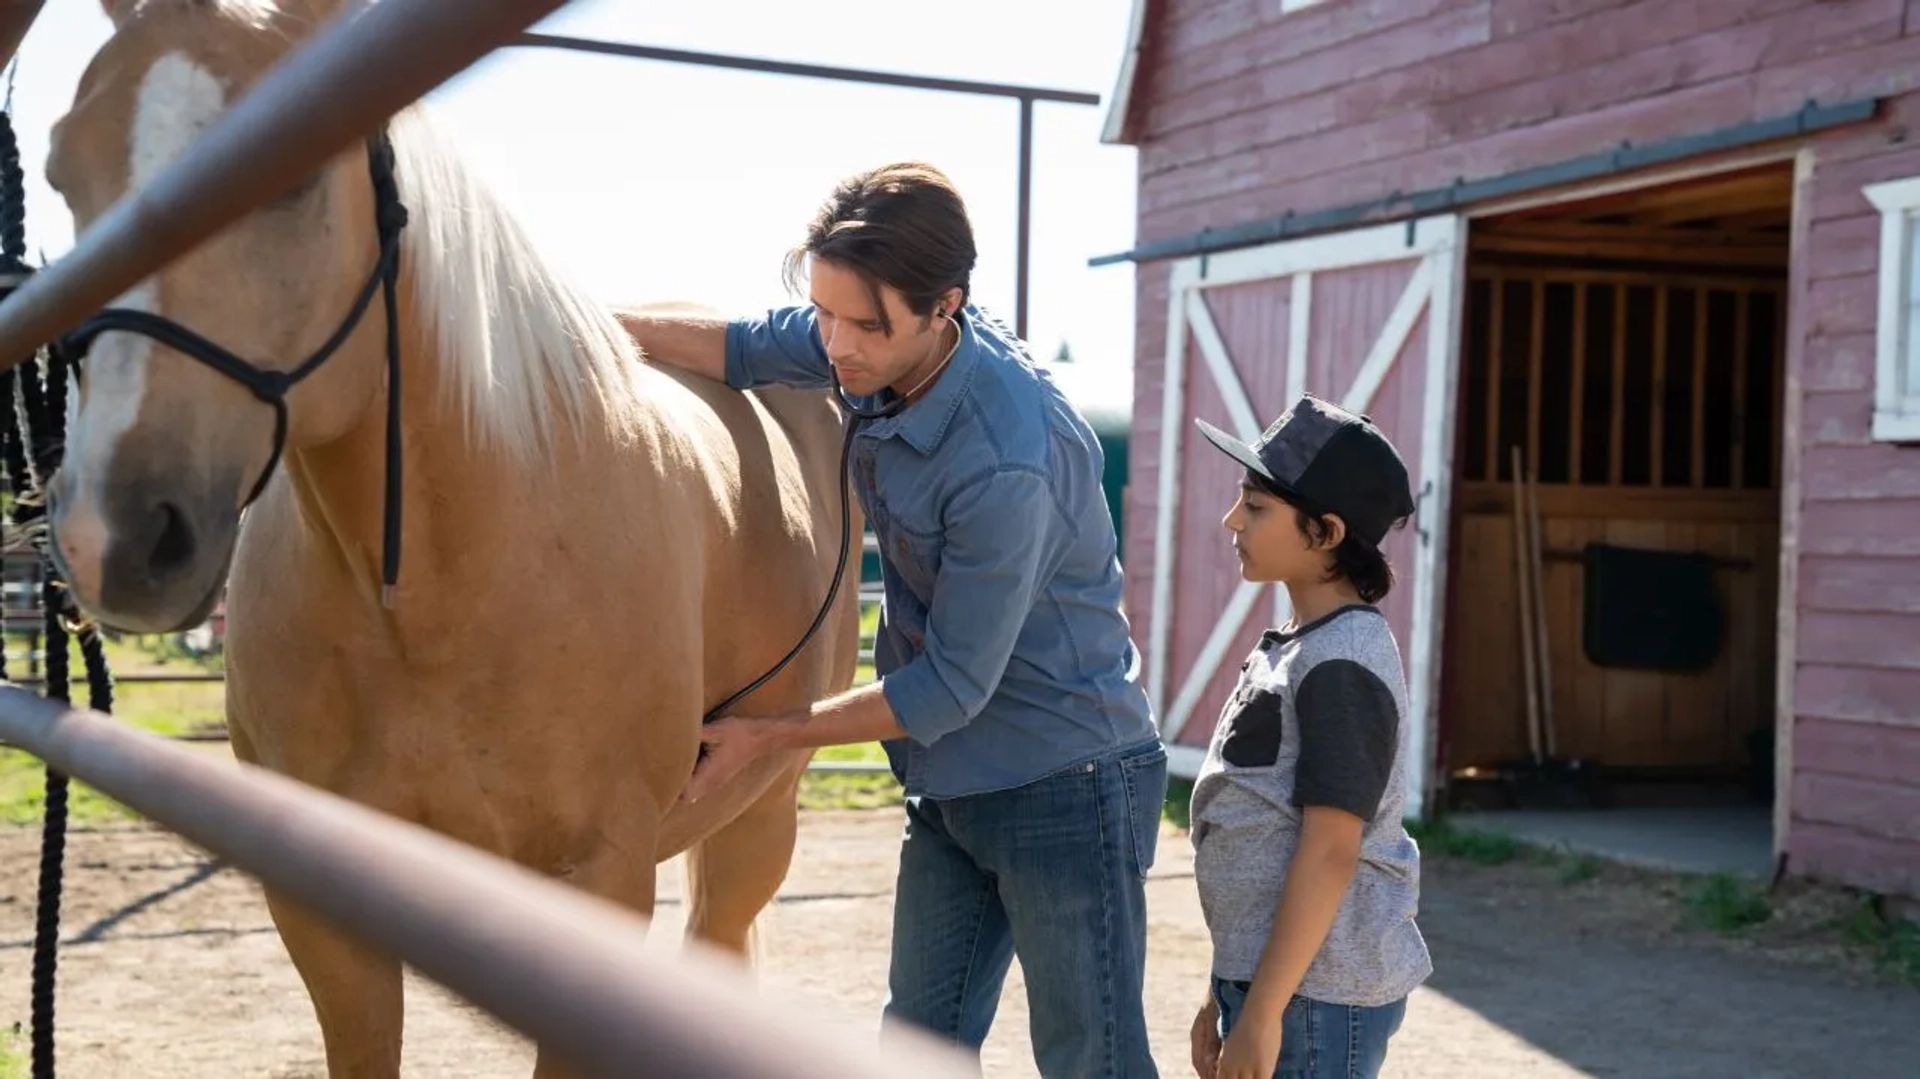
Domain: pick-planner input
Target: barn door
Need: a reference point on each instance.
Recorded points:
(1366, 318)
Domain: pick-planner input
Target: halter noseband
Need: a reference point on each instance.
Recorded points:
(271, 387)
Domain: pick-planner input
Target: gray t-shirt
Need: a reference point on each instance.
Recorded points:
(1318, 718)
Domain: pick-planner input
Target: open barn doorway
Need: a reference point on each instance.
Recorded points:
(1626, 352)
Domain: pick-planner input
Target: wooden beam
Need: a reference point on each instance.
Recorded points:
(1670, 252)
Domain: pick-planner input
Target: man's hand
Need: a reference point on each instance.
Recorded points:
(1206, 1039)
(728, 746)
(1252, 1051)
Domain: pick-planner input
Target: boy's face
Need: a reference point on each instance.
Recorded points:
(1269, 541)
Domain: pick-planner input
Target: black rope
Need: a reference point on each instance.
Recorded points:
(33, 412)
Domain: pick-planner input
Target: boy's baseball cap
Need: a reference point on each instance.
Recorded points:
(1331, 460)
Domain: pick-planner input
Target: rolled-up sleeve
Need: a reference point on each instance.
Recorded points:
(1003, 535)
(780, 348)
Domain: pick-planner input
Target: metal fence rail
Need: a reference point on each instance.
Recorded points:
(560, 966)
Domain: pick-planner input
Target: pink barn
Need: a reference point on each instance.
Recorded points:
(1663, 254)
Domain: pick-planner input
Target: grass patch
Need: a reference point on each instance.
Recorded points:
(164, 709)
(13, 1052)
(850, 790)
(1441, 839)
(1727, 904)
(1894, 946)
(1178, 808)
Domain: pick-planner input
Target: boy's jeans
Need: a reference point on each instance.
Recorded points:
(1320, 1040)
(1054, 871)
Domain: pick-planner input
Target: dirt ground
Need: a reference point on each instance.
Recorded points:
(172, 970)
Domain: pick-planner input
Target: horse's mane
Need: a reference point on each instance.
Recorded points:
(523, 350)
(521, 346)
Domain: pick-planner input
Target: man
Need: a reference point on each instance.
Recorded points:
(1007, 695)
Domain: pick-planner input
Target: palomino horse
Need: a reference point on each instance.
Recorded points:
(597, 551)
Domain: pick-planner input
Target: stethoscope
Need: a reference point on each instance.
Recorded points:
(855, 417)
(892, 408)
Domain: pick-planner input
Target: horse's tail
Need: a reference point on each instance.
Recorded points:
(734, 874)
(704, 911)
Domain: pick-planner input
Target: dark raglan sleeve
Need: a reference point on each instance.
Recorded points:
(1349, 729)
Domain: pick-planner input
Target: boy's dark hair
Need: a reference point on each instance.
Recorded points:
(1354, 560)
(903, 225)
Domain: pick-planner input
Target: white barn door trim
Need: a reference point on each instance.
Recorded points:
(1439, 244)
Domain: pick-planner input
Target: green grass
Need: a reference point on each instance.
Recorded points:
(850, 790)
(1727, 904)
(13, 1053)
(1894, 946)
(1442, 839)
(160, 709)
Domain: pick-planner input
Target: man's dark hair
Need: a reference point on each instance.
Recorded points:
(902, 225)
(1359, 563)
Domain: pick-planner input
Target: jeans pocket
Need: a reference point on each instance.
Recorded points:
(1145, 776)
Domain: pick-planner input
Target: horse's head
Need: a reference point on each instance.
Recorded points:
(163, 451)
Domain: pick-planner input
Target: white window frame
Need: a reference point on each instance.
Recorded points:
(1896, 369)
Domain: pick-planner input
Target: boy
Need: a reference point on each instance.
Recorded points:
(1307, 879)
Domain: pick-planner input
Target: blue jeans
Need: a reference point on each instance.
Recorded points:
(1054, 872)
(1320, 1040)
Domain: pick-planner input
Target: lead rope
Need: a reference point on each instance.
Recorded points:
(32, 437)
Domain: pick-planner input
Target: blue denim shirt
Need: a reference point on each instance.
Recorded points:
(1002, 647)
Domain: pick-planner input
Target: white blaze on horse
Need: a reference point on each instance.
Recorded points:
(594, 551)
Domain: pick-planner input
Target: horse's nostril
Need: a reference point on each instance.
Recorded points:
(173, 546)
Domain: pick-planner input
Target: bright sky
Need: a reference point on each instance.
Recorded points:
(669, 181)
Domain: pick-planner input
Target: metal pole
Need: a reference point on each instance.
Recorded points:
(360, 68)
(1023, 245)
(566, 969)
(812, 71)
(1026, 95)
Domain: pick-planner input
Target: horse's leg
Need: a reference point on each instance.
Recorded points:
(613, 873)
(357, 993)
(734, 873)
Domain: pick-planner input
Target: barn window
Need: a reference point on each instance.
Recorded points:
(1896, 389)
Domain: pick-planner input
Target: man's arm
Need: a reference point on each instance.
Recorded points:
(781, 347)
(1349, 731)
(1003, 537)
(679, 335)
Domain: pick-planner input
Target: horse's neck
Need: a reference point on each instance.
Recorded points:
(449, 493)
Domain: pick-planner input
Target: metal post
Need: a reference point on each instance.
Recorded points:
(1025, 225)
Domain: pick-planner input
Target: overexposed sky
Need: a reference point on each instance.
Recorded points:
(652, 180)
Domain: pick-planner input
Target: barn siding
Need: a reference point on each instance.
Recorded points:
(1463, 90)
(1247, 113)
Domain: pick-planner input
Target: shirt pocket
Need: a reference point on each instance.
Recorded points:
(916, 555)
(1254, 731)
